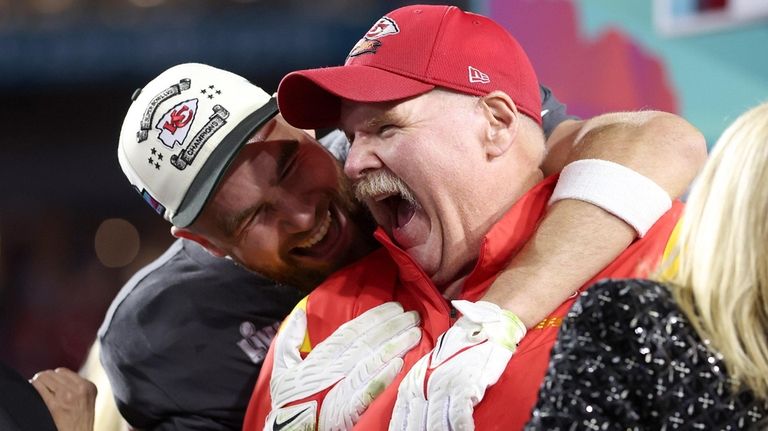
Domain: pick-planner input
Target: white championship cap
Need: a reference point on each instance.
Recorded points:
(182, 131)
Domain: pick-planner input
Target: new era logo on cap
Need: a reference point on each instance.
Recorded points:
(476, 76)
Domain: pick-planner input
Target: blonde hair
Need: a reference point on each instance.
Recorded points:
(722, 255)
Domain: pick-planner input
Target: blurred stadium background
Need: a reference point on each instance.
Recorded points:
(72, 231)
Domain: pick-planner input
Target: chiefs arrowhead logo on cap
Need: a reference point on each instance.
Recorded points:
(175, 124)
(383, 27)
(368, 44)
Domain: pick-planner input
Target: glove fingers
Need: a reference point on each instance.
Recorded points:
(437, 413)
(450, 409)
(349, 334)
(376, 385)
(460, 415)
(379, 345)
(370, 319)
(411, 407)
(348, 400)
(399, 415)
(388, 329)
(413, 383)
(417, 415)
(396, 347)
(392, 338)
(289, 340)
(409, 415)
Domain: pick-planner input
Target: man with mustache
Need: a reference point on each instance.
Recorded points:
(179, 345)
(183, 341)
(442, 111)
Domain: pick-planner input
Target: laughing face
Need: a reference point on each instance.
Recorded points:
(439, 170)
(420, 166)
(284, 210)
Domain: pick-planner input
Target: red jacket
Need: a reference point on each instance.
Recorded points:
(389, 274)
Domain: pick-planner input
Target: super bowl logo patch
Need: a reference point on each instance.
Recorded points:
(174, 125)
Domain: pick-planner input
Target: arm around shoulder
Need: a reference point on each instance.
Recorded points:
(578, 238)
(662, 146)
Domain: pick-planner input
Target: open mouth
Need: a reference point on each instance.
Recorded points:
(394, 206)
(325, 240)
(403, 217)
(318, 233)
(401, 210)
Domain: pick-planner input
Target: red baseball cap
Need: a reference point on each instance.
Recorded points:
(409, 52)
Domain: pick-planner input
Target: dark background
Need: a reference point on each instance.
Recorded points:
(67, 70)
(72, 230)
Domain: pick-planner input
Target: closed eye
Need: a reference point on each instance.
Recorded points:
(387, 130)
(236, 226)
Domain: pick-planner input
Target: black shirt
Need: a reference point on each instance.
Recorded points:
(183, 341)
(21, 407)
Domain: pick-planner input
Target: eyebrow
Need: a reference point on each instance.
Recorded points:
(385, 117)
(229, 225)
(374, 123)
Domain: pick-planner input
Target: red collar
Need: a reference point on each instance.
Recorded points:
(499, 245)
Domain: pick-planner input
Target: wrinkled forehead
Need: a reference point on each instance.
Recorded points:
(369, 115)
(358, 115)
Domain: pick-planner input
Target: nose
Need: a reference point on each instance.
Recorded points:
(362, 157)
(298, 213)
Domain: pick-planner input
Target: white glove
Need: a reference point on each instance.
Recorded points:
(468, 358)
(358, 360)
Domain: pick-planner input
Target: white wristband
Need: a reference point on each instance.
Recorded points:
(632, 197)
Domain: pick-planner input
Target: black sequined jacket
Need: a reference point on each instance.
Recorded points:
(626, 358)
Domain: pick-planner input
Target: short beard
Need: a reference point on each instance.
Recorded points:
(382, 182)
(303, 279)
(306, 279)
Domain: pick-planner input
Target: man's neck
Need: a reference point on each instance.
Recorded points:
(453, 289)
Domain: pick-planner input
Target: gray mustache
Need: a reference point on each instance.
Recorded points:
(383, 182)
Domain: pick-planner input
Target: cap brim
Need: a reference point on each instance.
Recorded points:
(311, 99)
(215, 167)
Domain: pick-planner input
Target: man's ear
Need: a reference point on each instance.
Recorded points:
(180, 232)
(503, 121)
